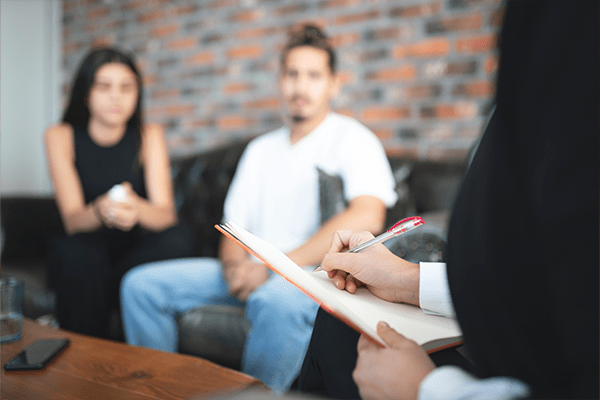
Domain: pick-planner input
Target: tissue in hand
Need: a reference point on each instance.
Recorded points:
(117, 193)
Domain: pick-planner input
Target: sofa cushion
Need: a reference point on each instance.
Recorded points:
(216, 333)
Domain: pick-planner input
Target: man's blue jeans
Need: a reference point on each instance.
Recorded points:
(281, 316)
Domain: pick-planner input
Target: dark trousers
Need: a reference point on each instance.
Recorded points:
(331, 358)
(86, 270)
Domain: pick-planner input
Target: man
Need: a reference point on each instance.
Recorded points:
(274, 194)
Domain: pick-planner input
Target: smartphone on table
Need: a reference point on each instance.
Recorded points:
(37, 355)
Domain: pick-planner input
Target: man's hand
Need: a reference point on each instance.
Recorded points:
(381, 271)
(244, 277)
(394, 372)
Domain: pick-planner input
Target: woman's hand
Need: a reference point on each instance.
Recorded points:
(122, 214)
(394, 372)
(383, 273)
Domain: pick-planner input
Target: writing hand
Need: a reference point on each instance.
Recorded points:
(383, 273)
(394, 372)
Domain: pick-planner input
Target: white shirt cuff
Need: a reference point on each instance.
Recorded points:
(434, 293)
(453, 383)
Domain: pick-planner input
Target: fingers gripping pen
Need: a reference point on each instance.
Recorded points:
(399, 228)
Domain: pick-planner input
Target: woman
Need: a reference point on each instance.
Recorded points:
(102, 143)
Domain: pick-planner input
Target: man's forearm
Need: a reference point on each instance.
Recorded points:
(364, 213)
(230, 253)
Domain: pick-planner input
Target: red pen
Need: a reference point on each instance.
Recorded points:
(399, 228)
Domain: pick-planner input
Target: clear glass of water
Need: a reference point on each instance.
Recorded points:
(11, 309)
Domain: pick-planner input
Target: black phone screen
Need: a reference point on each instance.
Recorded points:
(37, 355)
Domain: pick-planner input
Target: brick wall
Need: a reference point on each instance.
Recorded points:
(420, 73)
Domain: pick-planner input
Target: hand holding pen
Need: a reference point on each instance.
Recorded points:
(399, 228)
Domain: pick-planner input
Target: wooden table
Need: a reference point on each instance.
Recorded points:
(92, 368)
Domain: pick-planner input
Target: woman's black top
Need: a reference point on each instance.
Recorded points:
(523, 241)
(100, 167)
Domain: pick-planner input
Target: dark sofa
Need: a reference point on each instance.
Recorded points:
(201, 182)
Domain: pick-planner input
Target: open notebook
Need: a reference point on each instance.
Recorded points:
(361, 310)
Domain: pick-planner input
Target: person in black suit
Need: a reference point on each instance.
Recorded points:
(522, 253)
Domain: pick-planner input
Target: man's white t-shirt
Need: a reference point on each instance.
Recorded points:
(275, 192)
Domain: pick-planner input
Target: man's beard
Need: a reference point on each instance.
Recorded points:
(298, 119)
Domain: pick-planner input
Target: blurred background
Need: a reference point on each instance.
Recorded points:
(420, 73)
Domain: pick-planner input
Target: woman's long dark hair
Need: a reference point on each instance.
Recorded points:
(77, 113)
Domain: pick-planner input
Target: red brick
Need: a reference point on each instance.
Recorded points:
(462, 4)
(179, 141)
(79, 4)
(98, 13)
(272, 103)
(353, 18)
(428, 48)
(183, 43)
(204, 57)
(461, 68)
(245, 16)
(474, 89)
(374, 55)
(459, 110)
(103, 41)
(471, 131)
(141, 64)
(476, 44)
(379, 113)
(291, 9)
(237, 87)
(383, 33)
(200, 123)
(150, 17)
(383, 134)
(172, 110)
(345, 111)
(165, 93)
(68, 6)
(249, 51)
(403, 73)
(497, 17)
(114, 25)
(223, 3)
(423, 91)
(344, 39)
(257, 32)
(461, 23)
(447, 154)
(420, 10)
(345, 77)
(338, 3)
(69, 47)
(231, 122)
(133, 4)
(490, 65)
(150, 79)
(439, 132)
(402, 152)
(321, 23)
(183, 10)
(164, 30)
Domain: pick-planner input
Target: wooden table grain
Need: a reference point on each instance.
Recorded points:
(92, 368)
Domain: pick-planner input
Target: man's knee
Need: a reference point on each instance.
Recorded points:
(290, 306)
(135, 283)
